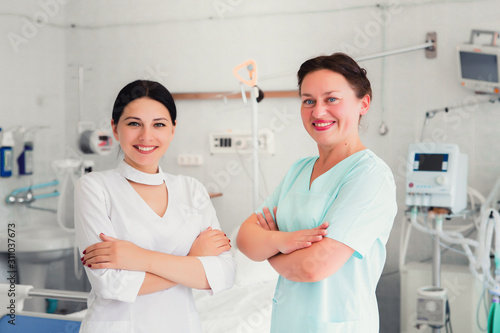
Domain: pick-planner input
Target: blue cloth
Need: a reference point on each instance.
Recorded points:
(358, 198)
(30, 324)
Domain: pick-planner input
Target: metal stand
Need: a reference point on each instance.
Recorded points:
(254, 92)
(436, 266)
(251, 66)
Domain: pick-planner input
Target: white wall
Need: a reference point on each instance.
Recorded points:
(192, 46)
(32, 92)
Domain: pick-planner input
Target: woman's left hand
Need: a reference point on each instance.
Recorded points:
(114, 253)
(210, 243)
(266, 221)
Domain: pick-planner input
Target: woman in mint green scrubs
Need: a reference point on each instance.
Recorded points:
(325, 227)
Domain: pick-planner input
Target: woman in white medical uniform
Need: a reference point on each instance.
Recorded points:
(325, 227)
(147, 237)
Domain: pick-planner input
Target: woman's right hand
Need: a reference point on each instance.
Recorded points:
(210, 243)
(288, 242)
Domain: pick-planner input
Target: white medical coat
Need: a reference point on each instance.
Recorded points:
(105, 202)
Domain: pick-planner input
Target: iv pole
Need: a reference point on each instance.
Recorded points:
(251, 66)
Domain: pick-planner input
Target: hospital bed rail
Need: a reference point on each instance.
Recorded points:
(12, 314)
(62, 295)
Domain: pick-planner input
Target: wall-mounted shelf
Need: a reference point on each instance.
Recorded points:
(233, 95)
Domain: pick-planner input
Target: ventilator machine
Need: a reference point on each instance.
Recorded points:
(436, 176)
(436, 192)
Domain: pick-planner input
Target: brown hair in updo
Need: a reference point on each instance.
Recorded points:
(342, 64)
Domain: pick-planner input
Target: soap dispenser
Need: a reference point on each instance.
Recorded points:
(6, 154)
(25, 160)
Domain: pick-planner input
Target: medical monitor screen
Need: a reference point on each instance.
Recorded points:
(479, 66)
(430, 162)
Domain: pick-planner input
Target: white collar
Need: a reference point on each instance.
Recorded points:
(140, 177)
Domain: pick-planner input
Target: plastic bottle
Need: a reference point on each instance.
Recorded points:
(6, 154)
(25, 160)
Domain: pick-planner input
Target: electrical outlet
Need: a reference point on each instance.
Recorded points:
(189, 159)
(241, 142)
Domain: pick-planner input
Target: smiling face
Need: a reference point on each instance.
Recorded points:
(330, 109)
(144, 131)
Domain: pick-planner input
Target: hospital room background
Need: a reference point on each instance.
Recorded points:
(63, 63)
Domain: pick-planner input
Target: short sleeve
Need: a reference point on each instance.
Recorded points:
(220, 270)
(91, 219)
(364, 209)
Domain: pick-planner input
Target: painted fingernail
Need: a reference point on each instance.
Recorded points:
(90, 265)
(81, 259)
(84, 251)
(84, 262)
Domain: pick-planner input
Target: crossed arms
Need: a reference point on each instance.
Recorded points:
(163, 270)
(300, 256)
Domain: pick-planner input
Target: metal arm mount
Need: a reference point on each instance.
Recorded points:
(430, 47)
(430, 114)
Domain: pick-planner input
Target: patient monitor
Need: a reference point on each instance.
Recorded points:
(436, 176)
(479, 68)
(479, 63)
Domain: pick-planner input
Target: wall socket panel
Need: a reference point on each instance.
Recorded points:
(189, 159)
(240, 142)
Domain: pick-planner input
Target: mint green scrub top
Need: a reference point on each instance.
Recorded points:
(358, 198)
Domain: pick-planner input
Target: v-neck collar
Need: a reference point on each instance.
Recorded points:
(313, 163)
